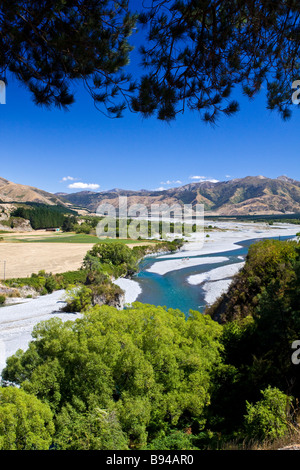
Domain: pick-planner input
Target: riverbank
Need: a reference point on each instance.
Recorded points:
(17, 321)
(227, 238)
(235, 233)
(215, 282)
(130, 287)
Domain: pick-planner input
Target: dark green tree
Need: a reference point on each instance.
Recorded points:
(68, 224)
(195, 53)
(261, 324)
(116, 255)
(48, 45)
(269, 417)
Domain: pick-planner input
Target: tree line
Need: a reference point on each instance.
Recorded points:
(44, 216)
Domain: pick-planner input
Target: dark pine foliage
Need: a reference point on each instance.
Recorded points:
(43, 216)
(194, 53)
(197, 52)
(50, 44)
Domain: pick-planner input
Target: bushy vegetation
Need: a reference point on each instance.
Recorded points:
(26, 423)
(114, 258)
(120, 379)
(117, 259)
(261, 318)
(45, 283)
(270, 267)
(268, 418)
(78, 298)
(151, 378)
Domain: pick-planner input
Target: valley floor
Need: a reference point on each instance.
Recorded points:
(31, 252)
(219, 241)
(23, 259)
(17, 321)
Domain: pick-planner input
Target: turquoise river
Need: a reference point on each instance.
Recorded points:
(172, 290)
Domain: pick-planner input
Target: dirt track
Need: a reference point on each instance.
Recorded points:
(23, 259)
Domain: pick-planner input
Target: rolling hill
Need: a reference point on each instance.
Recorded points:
(18, 193)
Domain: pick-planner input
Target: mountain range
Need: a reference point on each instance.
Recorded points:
(252, 195)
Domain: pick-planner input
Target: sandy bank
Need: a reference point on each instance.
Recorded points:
(163, 267)
(213, 290)
(215, 282)
(131, 288)
(217, 274)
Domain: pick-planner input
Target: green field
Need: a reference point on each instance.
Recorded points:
(74, 238)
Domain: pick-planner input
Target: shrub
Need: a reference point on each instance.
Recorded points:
(25, 422)
(83, 228)
(78, 298)
(109, 291)
(36, 281)
(95, 429)
(51, 284)
(176, 440)
(71, 278)
(268, 418)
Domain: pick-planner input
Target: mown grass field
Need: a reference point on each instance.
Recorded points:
(69, 238)
(77, 238)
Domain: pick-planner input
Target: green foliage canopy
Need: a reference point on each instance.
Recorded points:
(261, 320)
(148, 367)
(268, 418)
(26, 423)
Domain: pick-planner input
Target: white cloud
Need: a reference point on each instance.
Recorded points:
(171, 182)
(84, 186)
(160, 189)
(68, 178)
(197, 177)
(204, 178)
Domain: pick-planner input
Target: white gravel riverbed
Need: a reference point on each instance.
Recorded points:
(17, 321)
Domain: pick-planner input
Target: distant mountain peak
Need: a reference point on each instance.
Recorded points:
(286, 179)
(114, 190)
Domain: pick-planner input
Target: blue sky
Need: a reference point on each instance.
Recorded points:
(41, 147)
